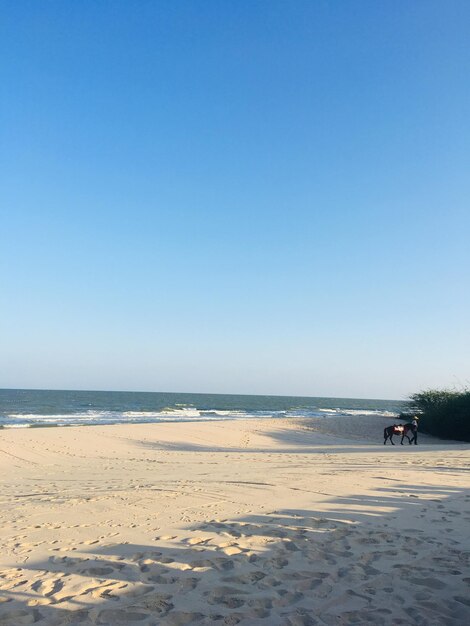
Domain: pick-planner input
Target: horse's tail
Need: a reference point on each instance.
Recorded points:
(385, 433)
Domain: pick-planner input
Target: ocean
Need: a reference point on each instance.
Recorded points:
(27, 408)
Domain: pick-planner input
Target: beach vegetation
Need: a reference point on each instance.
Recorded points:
(443, 413)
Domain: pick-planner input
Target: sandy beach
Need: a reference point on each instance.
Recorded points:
(247, 522)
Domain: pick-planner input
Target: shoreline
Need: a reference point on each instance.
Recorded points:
(356, 427)
(258, 521)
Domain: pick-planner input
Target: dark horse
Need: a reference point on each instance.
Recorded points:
(397, 429)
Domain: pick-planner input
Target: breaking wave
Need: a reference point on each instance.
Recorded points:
(172, 414)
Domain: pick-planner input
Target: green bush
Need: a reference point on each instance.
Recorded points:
(442, 412)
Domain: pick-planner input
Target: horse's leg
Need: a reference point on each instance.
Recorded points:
(391, 439)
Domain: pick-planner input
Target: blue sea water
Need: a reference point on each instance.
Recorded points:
(26, 408)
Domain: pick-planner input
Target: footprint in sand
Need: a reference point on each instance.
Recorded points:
(149, 566)
(219, 564)
(250, 578)
(431, 583)
(299, 618)
(139, 590)
(162, 580)
(100, 590)
(19, 617)
(287, 598)
(120, 617)
(278, 563)
(48, 587)
(98, 572)
(196, 541)
(157, 603)
(309, 584)
(181, 618)
(150, 558)
(268, 583)
(226, 596)
(187, 584)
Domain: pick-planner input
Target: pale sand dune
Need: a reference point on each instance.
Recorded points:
(247, 522)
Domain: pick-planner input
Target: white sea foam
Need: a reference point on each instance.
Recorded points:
(188, 412)
(367, 412)
(339, 411)
(25, 420)
(177, 413)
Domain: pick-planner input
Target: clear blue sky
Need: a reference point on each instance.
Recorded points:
(235, 196)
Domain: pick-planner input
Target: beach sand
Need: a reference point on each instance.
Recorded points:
(292, 522)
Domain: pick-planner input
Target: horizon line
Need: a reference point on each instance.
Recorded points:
(202, 393)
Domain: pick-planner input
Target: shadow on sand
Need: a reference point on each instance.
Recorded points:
(354, 564)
